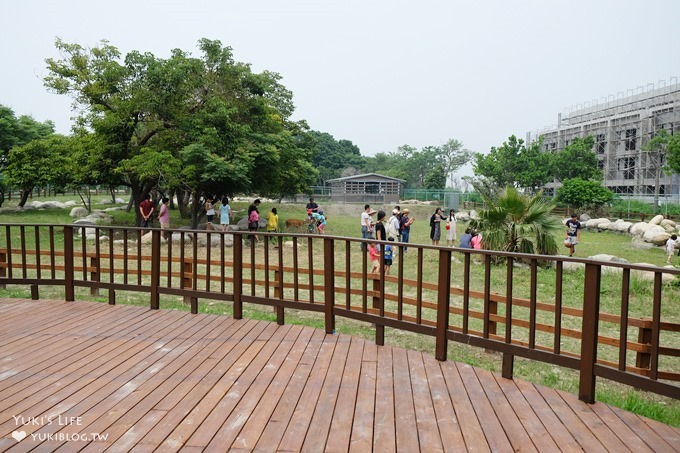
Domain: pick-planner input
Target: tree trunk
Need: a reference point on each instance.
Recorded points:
(24, 197)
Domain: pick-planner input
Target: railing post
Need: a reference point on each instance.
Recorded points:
(278, 294)
(238, 276)
(155, 268)
(591, 308)
(379, 304)
(3, 269)
(188, 282)
(443, 304)
(644, 359)
(69, 289)
(329, 285)
(94, 274)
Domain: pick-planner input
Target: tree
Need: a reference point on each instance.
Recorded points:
(452, 156)
(657, 149)
(673, 153)
(17, 132)
(577, 160)
(145, 111)
(37, 163)
(513, 163)
(515, 222)
(584, 193)
(332, 156)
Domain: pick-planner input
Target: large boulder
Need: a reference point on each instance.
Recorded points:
(78, 211)
(584, 217)
(599, 223)
(620, 226)
(656, 220)
(639, 228)
(659, 239)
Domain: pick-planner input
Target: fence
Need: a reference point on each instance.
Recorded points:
(616, 321)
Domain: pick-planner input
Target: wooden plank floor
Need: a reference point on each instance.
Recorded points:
(82, 376)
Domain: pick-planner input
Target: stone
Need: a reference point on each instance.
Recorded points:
(656, 220)
(659, 239)
(78, 211)
(609, 258)
(584, 217)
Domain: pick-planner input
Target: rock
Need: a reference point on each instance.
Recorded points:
(100, 217)
(474, 215)
(584, 217)
(638, 243)
(84, 222)
(620, 226)
(653, 231)
(656, 220)
(649, 275)
(639, 228)
(69, 204)
(659, 239)
(668, 223)
(609, 258)
(595, 223)
(78, 211)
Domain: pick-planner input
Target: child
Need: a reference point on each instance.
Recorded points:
(374, 253)
(388, 256)
(273, 224)
(225, 214)
(320, 220)
(209, 212)
(670, 247)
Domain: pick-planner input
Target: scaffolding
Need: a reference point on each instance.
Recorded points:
(621, 127)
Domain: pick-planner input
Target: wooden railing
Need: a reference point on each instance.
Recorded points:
(610, 320)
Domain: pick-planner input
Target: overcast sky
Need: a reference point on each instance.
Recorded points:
(381, 73)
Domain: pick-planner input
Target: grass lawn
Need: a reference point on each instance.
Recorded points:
(343, 220)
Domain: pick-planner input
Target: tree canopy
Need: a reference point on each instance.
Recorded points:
(515, 164)
(196, 126)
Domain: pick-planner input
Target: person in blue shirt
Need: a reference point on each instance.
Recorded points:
(466, 239)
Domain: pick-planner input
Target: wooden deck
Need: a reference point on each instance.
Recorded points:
(82, 375)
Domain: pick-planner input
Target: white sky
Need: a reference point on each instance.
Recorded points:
(381, 73)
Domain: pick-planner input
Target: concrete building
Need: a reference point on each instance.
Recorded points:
(621, 126)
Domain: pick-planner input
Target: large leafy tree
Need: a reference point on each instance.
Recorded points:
(211, 116)
(516, 164)
(673, 153)
(514, 222)
(37, 163)
(332, 156)
(17, 131)
(577, 160)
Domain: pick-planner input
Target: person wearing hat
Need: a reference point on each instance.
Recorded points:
(392, 226)
(366, 223)
(405, 225)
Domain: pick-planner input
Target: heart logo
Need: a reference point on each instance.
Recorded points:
(18, 435)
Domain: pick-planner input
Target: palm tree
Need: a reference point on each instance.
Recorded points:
(518, 223)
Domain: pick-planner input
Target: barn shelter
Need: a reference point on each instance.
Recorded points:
(368, 187)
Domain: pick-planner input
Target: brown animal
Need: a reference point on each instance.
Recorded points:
(295, 223)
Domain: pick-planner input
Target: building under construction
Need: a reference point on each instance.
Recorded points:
(621, 126)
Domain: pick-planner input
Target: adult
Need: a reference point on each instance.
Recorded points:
(312, 208)
(146, 210)
(466, 239)
(405, 226)
(209, 212)
(398, 215)
(366, 223)
(573, 234)
(380, 232)
(451, 228)
(435, 226)
(164, 216)
(392, 226)
(225, 214)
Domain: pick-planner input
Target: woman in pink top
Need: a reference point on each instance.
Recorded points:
(164, 216)
(476, 241)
